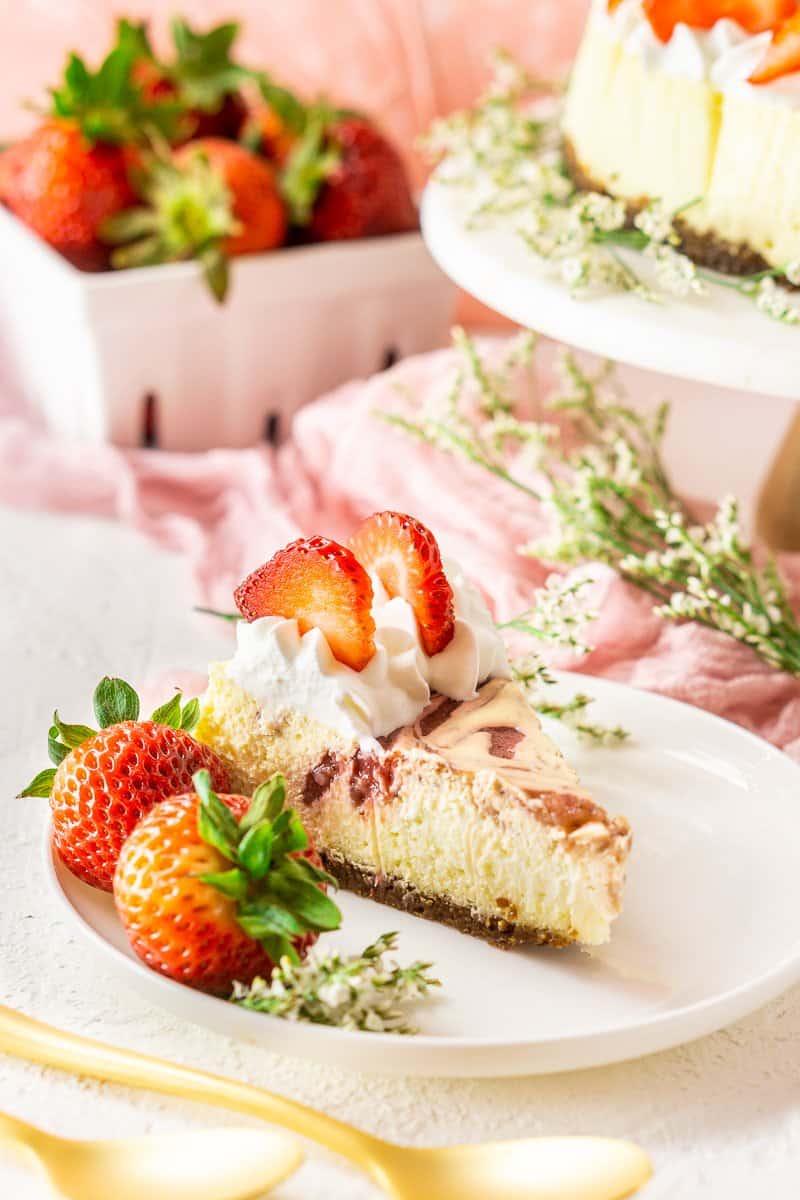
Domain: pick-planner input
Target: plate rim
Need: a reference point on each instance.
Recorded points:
(703, 1016)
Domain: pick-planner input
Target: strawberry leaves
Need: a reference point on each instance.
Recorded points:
(203, 72)
(188, 213)
(278, 897)
(108, 104)
(114, 701)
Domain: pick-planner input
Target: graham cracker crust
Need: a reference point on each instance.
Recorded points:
(706, 249)
(498, 931)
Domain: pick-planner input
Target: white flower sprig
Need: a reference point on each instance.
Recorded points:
(611, 501)
(507, 153)
(364, 991)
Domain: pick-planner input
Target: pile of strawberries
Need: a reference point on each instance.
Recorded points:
(211, 888)
(782, 56)
(150, 160)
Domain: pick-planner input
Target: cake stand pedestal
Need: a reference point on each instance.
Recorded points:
(723, 341)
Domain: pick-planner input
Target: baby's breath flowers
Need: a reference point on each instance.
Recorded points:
(506, 154)
(365, 991)
(602, 480)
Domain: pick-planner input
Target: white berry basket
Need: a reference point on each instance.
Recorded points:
(147, 357)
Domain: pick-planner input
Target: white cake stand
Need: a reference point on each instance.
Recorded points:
(723, 341)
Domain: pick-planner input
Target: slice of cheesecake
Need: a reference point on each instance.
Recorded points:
(422, 774)
(470, 815)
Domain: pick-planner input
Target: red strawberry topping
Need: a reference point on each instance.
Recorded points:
(783, 54)
(755, 16)
(323, 586)
(405, 557)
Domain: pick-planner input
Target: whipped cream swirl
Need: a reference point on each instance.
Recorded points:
(724, 56)
(283, 669)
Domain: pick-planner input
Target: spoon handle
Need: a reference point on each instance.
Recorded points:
(35, 1041)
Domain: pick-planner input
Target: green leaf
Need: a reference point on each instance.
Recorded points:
(215, 612)
(115, 701)
(216, 823)
(278, 948)
(56, 752)
(113, 74)
(293, 838)
(312, 160)
(72, 735)
(42, 785)
(134, 38)
(232, 884)
(255, 850)
(284, 103)
(260, 919)
(301, 868)
(169, 713)
(267, 802)
(307, 901)
(190, 714)
(216, 271)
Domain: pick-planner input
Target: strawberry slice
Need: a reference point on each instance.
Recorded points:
(405, 557)
(755, 16)
(783, 53)
(323, 586)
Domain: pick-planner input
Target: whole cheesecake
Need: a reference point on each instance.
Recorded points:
(695, 103)
(424, 780)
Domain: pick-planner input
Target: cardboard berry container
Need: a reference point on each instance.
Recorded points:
(147, 357)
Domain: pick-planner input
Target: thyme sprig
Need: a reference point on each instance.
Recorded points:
(366, 991)
(601, 478)
(506, 153)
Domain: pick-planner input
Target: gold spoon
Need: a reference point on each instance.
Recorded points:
(210, 1164)
(565, 1168)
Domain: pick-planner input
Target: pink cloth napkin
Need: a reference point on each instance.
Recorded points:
(229, 510)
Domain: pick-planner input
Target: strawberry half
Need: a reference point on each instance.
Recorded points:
(323, 586)
(783, 54)
(405, 557)
(755, 16)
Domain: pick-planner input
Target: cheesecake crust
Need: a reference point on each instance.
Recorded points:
(503, 932)
(705, 249)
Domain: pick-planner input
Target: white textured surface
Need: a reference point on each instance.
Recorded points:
(720, 1117)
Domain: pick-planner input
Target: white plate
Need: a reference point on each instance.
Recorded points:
(710, 929)
(721, 339)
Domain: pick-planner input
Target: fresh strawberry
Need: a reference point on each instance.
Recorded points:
(214, 890)
(63, 187)
(105, 781)
(72, 173)
(323, 586)
(755, 16)
(211, 200)
(257, 206)
(345, 180)
(405, 557)
(783, 53)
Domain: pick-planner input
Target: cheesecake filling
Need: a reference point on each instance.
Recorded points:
(285, 670)
(724, 56)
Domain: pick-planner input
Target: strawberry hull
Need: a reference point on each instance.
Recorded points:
(146, 356)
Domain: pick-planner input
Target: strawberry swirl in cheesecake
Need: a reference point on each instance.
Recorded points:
(373, 677)
(695, 103)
